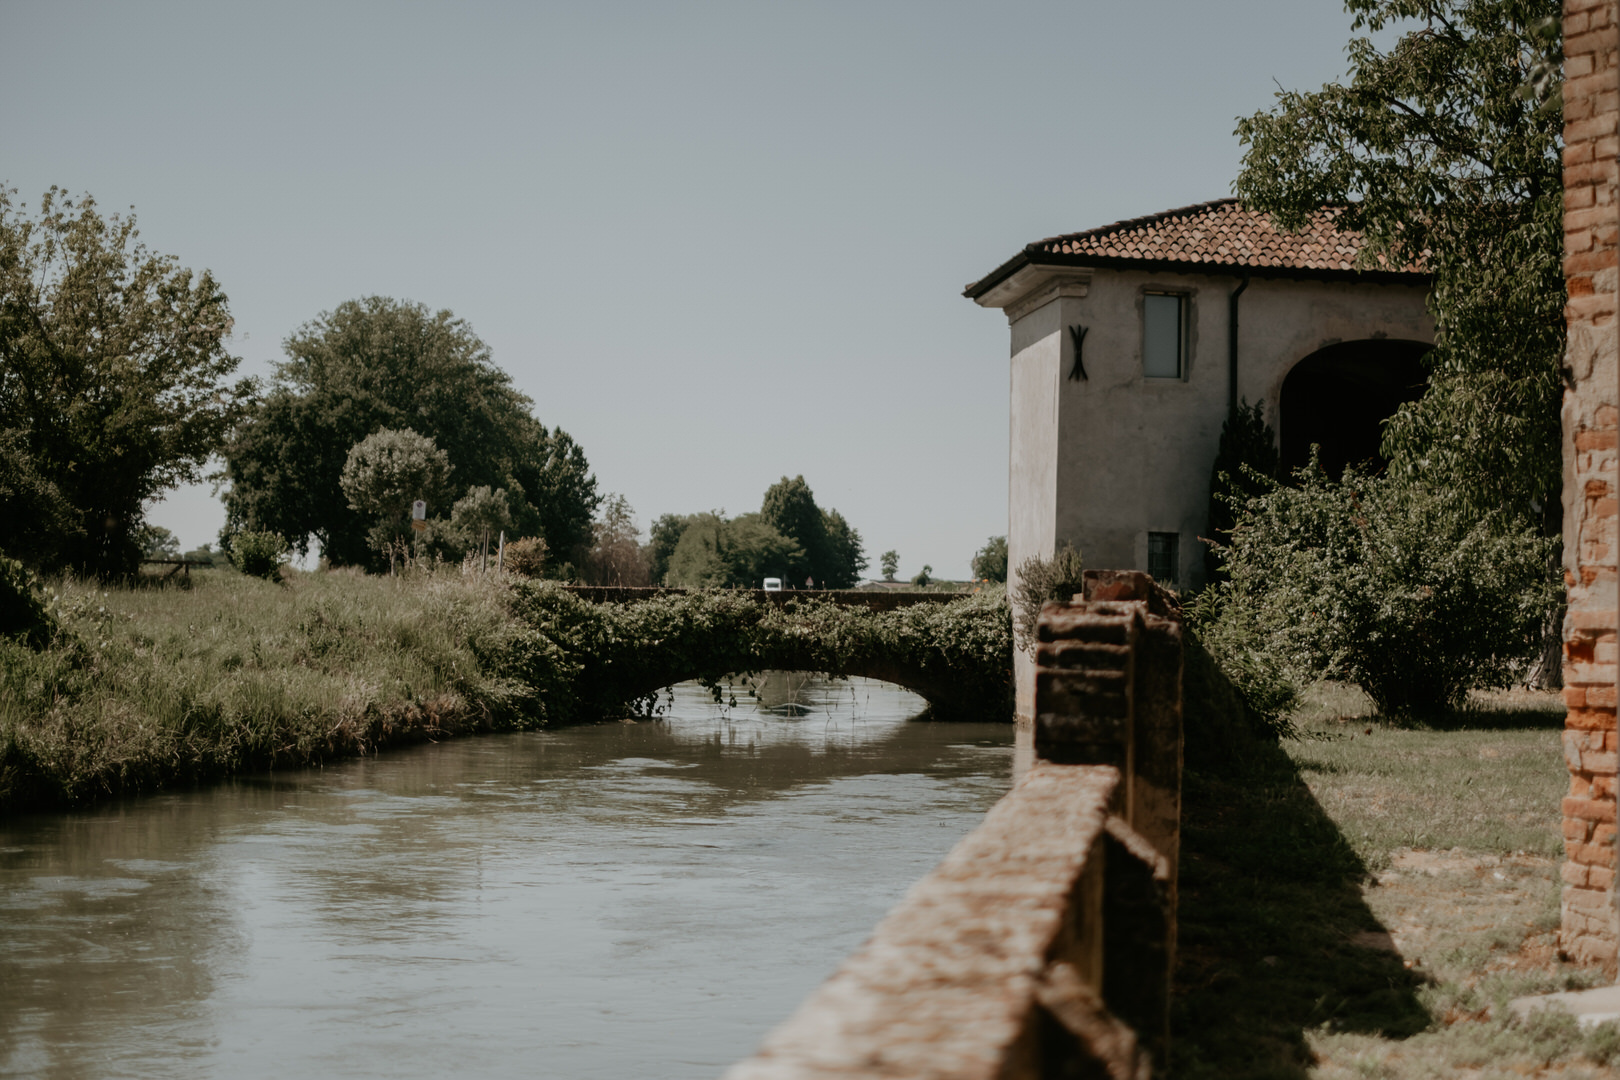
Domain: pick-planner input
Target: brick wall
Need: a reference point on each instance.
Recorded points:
(1591, 930)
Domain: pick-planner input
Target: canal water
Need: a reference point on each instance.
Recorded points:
(619, 900)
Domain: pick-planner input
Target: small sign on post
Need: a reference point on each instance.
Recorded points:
(418, 515)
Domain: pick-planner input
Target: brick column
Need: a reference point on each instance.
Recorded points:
(1591, 924)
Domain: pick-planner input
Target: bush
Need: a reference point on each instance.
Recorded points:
(525, 557)
(1382, 581)
(259, 554)
(23, 611)
(1040, 580)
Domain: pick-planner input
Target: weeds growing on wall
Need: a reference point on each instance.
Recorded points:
(1040, 580)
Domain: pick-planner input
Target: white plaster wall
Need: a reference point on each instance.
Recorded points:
(1125, 455)
(1037, 357)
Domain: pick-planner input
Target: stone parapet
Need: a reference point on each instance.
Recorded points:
(1043, 944)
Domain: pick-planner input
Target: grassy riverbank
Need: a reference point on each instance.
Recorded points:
(1363, 901)
(159, 685)
(139, 688)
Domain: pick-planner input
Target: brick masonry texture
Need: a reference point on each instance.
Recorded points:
(1590, 927)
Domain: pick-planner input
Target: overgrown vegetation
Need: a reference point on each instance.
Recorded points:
(128, 689)
(1402, 588)
(1040, 580)
(1436, 153)
(1363, 900)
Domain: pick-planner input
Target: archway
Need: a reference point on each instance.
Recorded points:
(1339, 396)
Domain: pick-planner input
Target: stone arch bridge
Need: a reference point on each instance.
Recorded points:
(953, 650)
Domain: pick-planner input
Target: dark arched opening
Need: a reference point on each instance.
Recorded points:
(1339, 397)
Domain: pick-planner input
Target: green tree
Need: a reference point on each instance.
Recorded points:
(616, 558)
(890, 563)
(379, 363)
(481, 514)
(159, 543)
(715, 553)
(925, 577)
(113, 364)
(386, 472)
(845, 558)
(990, 563)
(1435, 153)
(833, 554)
(663, 536)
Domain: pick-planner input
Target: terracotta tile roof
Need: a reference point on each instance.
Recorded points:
(1220, 234)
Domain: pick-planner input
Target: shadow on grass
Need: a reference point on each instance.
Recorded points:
(1516, 718)
(1269, 916)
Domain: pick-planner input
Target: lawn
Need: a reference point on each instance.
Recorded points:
(1362, 901)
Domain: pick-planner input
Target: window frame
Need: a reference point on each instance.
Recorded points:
(1183, 300)
(1173, 580)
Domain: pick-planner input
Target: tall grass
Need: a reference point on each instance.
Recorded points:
(153, 685)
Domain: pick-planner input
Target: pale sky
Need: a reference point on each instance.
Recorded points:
(718, 243)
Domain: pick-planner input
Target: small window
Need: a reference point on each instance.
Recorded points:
(1163, 335)
(1164, 557)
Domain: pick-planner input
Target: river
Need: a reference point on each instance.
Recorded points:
(617, 900)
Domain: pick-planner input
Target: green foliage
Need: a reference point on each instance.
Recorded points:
(990, 562)
(616, 557)
(1402, 588)
(831, 550)
(1436, 154)
(24, 613)
(378, 363)
(112, 369)
(1040, 580)
(715, 553)
(1245, 466)
(525, 557)
(663, 537)
(924, 577)
(384, 474)
(627, 652)
(481, 514)
(891, 564)
(159, 543)
(258, 553)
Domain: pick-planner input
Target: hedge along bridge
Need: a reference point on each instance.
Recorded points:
(953, 650)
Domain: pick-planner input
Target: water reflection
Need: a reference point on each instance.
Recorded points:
(620, 900)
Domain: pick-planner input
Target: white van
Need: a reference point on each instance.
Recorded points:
(773, 584)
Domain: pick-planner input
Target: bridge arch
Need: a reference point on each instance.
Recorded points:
(1339, 396)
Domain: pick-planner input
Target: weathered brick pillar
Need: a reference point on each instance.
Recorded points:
(1591, 923)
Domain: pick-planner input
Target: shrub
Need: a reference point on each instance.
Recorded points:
(525, 557)
(1245, 466)
(1383, 581)
(23, 612)
(259, 553)
(1040, 580)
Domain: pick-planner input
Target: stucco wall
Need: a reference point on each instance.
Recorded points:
(1117, 455)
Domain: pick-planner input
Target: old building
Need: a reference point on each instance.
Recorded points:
(1131, 343)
